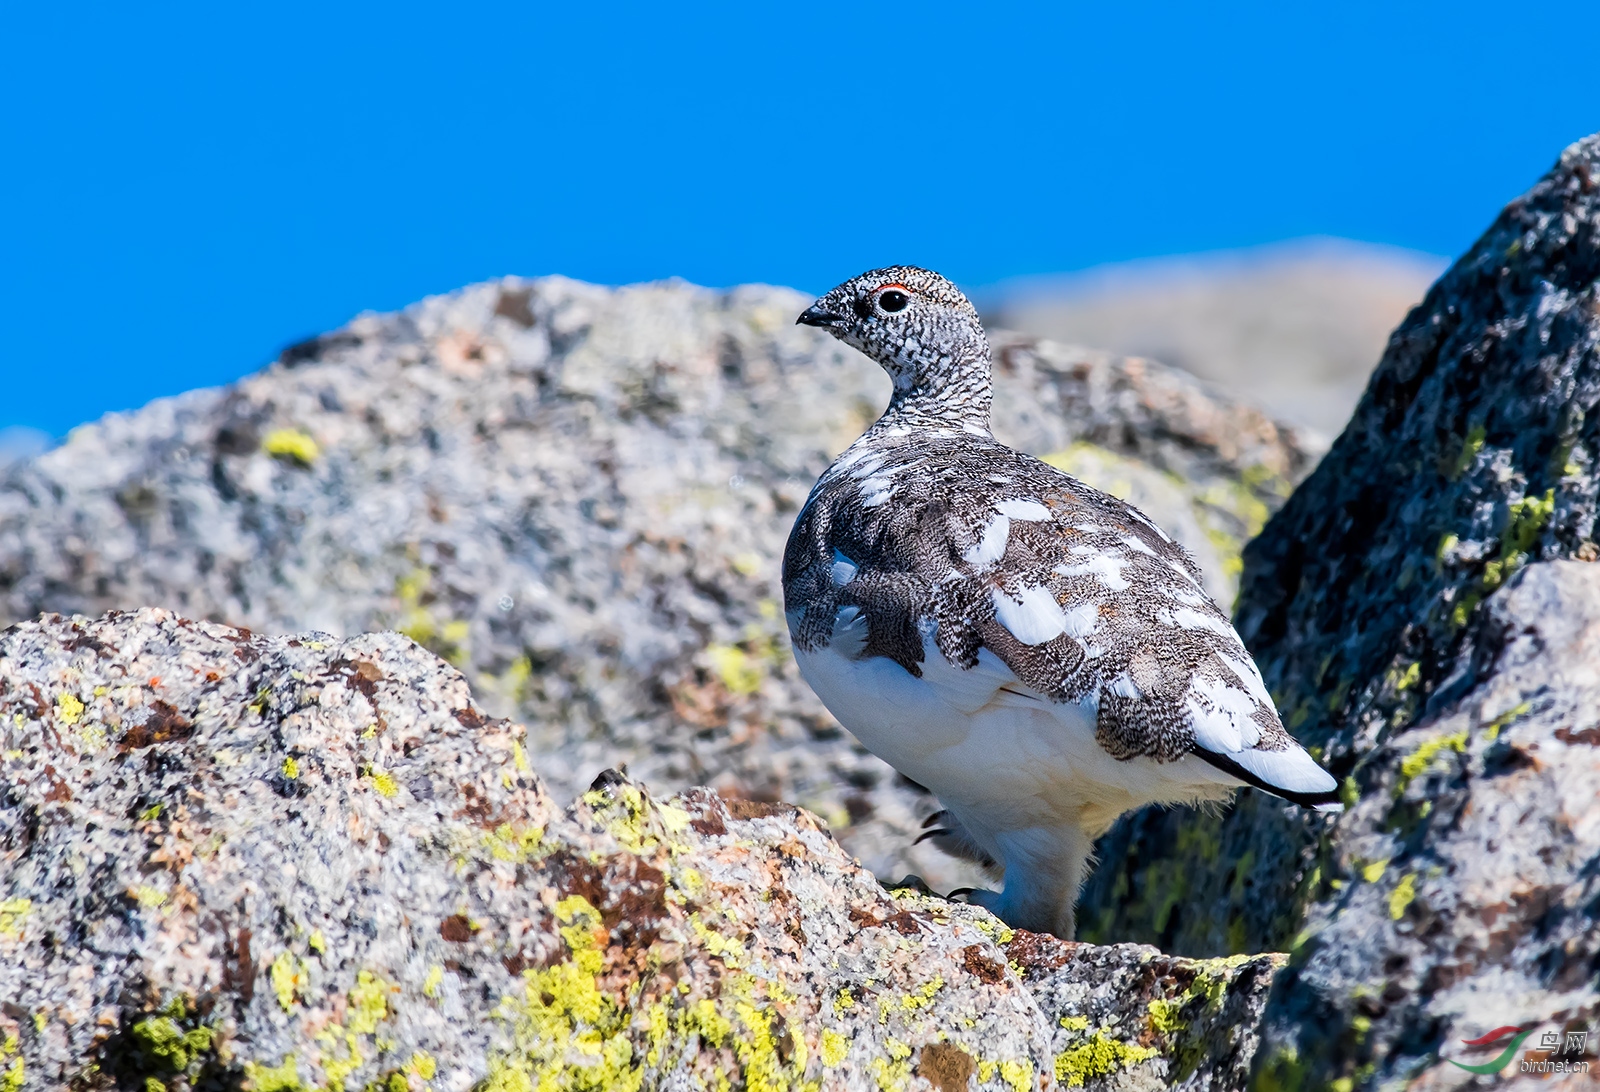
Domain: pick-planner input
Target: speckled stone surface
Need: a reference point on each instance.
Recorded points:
(235, 861)
(579, 496)
(1425, 609)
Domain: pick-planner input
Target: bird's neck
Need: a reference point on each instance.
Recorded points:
(952, 396)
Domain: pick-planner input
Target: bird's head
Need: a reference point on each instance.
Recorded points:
(917, 325)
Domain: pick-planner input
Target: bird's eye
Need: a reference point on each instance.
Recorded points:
(892, 300)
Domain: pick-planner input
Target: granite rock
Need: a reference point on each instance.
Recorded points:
(234, 861)
(579, 496)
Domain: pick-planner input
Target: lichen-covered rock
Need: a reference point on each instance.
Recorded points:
(579, 496)
(1458, 703)
(1467, 877)
(230, 861)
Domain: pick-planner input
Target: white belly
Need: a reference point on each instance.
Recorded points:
(985, 745)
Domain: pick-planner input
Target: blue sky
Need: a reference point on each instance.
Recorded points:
(189, 188)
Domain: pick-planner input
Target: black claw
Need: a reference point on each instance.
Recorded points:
(936, 817)
(930, 834)
(961, 891)
(606, 780)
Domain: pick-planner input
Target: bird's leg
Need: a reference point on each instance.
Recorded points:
(946, 832)
(1044, 867)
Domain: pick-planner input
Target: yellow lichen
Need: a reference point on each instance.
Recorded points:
(891, 1076)
(834, 1047)
(317, 942)
(1075, 1023)
(291, 768)
(738, 672)
(430, 985)
(384, 783)
(12, 913)
(1372, 871)
(1097, 1056)
(288, 975)
(335, 1067)
(369, 1003)
(1017, 1074)
(282, 1078)
(15, 1076)
(514, 842)
(1402, 895)
(423, 1065)
(291, 444)
(68, 708)
(148, 897)
(922, 997)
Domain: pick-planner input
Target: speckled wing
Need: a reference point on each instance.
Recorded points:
(1080, 595)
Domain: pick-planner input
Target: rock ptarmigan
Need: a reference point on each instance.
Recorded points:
(1038, 654)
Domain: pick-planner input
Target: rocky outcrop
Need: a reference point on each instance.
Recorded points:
(579, 497)
(234, 861)
(1412, 611)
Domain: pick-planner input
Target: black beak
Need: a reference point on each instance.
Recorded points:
(816, 316)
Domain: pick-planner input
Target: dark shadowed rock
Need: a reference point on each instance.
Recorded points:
(233, 861)
(1456, 700)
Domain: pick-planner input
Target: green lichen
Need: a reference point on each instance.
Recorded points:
(1413, 765)
(1164, 885)
(1164, 1016)
(168, 1044)
(1492, 730)
(1470, 447)
(1527, 520)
